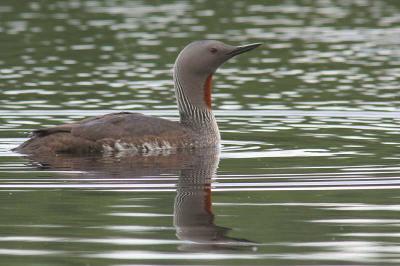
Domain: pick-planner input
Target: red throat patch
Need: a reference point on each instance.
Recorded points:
(207, 199)
(207, 91)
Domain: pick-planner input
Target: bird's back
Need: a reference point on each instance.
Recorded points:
(112, 132)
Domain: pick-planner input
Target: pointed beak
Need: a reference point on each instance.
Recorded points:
(242, 49)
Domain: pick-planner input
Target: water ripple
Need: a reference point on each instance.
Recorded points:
(309, 167)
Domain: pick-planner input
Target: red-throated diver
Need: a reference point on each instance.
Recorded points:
(193, 71)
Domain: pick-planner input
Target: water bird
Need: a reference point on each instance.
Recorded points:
(125, 131)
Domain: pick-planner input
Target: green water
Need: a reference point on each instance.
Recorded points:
(309, 168)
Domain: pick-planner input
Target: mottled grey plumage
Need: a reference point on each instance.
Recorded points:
(118, 131)
(193, 70)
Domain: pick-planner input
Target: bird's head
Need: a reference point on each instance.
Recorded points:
(195, 66)
(204, 57)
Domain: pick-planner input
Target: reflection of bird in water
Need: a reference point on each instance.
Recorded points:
(193, 71)
(193, 216)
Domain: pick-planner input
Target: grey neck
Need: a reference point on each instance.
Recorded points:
(193, 111)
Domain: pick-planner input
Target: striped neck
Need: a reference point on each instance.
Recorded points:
(193, 94)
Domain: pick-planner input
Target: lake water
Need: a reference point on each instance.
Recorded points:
(309, 168)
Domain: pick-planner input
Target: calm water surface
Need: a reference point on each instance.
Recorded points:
(309, 169)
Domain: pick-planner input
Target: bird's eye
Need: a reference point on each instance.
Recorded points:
(213, 50)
